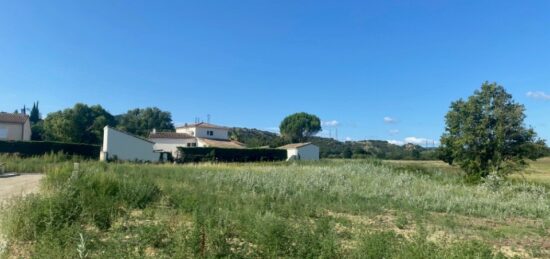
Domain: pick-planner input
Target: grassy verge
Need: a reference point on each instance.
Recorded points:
(329, 209)
(37, 164)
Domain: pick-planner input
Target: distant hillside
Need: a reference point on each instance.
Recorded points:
(331, 148)
(255, 137)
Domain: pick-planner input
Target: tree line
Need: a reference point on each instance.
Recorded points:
(84, 124)
(484, 134)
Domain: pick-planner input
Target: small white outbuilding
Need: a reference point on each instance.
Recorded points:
(301, 151)
(123, 146)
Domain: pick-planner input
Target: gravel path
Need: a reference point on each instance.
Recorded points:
(19, 185)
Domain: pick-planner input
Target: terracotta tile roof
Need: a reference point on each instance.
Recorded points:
(202, 125)
(13, 118)
(172, 135)
(222, 143)
(295, 145)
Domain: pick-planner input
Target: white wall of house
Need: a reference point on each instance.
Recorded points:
(307, 152)
(15, 131)
(126, 147)
(171, 145)
(291, 152)
(201, 143)
(200, 132)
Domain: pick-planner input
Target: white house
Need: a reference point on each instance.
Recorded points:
(205, 130)
(120, 145)
(15, 127)
(193, 135)
(301, 151)
(170, 141)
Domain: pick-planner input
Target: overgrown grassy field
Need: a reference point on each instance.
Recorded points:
(327, 209)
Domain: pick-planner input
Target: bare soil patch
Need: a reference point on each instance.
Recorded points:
(19, 185)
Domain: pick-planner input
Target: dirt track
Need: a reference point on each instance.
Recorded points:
(19, 185)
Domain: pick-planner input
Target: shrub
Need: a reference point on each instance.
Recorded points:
(205, 154)
(37, 148)
(388, 244)
(34, 215)
(92, 198)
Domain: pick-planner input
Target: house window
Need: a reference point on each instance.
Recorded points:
(191, 144)
(210, 133)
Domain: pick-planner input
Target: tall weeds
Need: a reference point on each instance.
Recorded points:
(252, 210)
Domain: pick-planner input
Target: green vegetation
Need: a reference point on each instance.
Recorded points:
(84, 124)
(537, 172)
(37, 124)
(298, 127)
(486, 134)
(142, 121)
(34, 148)
(256, 138)
(34, 116)
(212, 154)
(328, 209)
(331, 148)
(80, 124)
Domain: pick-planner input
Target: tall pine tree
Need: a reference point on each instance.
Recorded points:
(35, 114)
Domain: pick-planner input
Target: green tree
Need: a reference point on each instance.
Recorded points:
(142, 121)
(37, 131)
(80, 124)
(300, 126)
(35, 114)
(347, 153)
(415, 153)
(486, 134)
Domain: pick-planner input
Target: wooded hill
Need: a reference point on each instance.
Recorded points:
(331, 148)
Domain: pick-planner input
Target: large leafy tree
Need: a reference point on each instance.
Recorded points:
(486, 134)
(142, 121)
(300, 126)
(80, 124)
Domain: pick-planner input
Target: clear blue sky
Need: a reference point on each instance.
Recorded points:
(250, 63)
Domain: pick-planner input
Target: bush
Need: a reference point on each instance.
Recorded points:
(391, 245)
(205, 154)
(93, 198)
(38, 148)
(34, 215)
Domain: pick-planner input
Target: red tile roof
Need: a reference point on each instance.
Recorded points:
(13, 118)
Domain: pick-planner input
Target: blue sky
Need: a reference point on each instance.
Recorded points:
(379, 70)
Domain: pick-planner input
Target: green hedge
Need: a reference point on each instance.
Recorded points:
(37, 148)
(204, 154)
